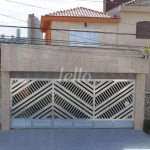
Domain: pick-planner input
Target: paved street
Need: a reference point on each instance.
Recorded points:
(73, 139)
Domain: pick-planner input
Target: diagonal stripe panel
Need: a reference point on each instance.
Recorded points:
(73, 100)
(114, 100)
(30, 98)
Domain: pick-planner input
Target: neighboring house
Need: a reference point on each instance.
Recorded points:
(111, 4)
(34, 35)
(142, 29)
(135, 19)
(78, 40)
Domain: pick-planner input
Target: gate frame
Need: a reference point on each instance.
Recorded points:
(53, 81)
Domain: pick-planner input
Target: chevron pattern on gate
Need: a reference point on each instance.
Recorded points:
(114, 100)
(73, 99)
(95, 99)
(31, 99)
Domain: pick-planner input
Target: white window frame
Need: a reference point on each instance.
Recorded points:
(76, 42)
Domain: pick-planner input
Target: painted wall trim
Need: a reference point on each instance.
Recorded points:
(45, 20)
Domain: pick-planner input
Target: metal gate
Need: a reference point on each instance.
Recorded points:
(45, 103)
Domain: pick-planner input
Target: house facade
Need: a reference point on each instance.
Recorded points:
(81, 44)
(134, 17)
(131, 19)
(121, 19)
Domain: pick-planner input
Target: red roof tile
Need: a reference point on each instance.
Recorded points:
(80, 12)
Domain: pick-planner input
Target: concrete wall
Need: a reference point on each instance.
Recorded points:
(54, 58)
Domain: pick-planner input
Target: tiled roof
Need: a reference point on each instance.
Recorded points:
(80, 12)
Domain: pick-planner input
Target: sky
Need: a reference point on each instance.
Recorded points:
(21, 11)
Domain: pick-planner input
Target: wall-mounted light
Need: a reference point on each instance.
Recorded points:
(85, 24)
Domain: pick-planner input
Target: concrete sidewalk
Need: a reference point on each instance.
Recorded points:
(73, 139)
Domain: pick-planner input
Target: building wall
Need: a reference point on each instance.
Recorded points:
(130, 15)
(102, 27)
(54, 58)
(127, 25)
(47, 61)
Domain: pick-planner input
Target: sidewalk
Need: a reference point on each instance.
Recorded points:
(73, 139)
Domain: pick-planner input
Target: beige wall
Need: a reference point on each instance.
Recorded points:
(132, 15)
(102, 27)
(53, 58)
(128, 25)
(129, 15)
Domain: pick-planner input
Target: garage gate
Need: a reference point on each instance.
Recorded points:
(46, 103)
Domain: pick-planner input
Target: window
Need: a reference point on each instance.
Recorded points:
(81, 38)
(143, 30)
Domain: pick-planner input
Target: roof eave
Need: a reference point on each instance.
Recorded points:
(46, 19)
